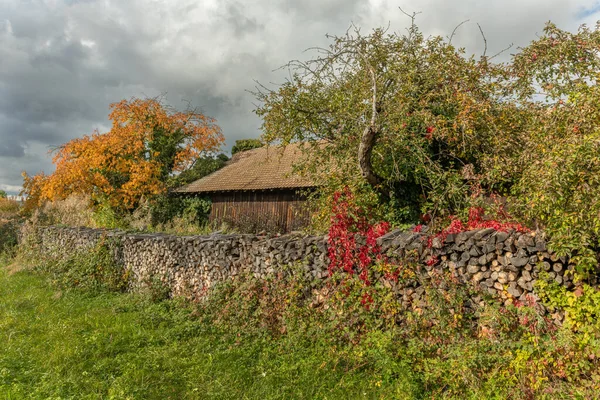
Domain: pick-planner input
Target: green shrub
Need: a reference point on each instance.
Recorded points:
(91, 269)
(105, 216)
(8, 236)
(581, 307)
(9, 224)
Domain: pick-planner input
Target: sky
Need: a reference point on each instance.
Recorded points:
(63, 62)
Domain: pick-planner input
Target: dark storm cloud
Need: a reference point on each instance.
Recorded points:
(11, 149)
(236, 18)
(62, 62)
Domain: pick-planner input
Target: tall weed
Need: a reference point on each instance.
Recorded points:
(92, 269)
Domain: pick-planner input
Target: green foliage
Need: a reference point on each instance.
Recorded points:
(105, 216)
(435, 112)
(581, 307)
(202, 166)
(3, 194)
(245, 144)
(556, 80)
(165, 208)
(284, 337)
(89, 269)
(156, 289)
(8, 236)
(124, 346)
(9, 225)
(448, 346)
(451, 130)
(8, 208)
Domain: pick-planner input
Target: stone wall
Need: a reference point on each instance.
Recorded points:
(504, 264)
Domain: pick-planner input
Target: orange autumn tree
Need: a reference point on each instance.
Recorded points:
(147, 143)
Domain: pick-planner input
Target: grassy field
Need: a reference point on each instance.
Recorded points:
(68, 332)
(75, 345)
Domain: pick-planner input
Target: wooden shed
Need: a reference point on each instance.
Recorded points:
(257, 190)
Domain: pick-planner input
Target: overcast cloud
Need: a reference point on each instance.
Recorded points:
(62, 62)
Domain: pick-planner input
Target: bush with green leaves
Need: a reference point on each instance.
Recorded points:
(91, 269)
(165, 208)
(8, 236)
(581, 307)
(557, 186)
(9, 224)
(245, 145)
(411, 116)
(415, 126)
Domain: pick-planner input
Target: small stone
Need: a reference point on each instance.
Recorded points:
(475, 251)
(546, 266)
(514, 290)
(557, 267)
(502, 277)
(483, 233)
(522, 283)
(540, 244)
(436, 243)
(473, 261)
(525, 241)
(489, 248)
(450, 238)
(498, 286)
(472, 269)
(501, 236)
(519, 261)
(533, 260)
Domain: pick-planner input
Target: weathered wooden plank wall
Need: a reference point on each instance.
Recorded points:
(281, 210)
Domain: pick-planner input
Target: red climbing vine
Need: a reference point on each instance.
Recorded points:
(349, 228)
(475, 220)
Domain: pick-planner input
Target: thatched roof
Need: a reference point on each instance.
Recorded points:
(265, 168)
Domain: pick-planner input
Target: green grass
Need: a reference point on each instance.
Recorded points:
(76, 345)
(262, 339)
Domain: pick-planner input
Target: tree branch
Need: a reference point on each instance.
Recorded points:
(484, 40)
(368, 139)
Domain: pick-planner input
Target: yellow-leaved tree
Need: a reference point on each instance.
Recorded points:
(147, 143)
